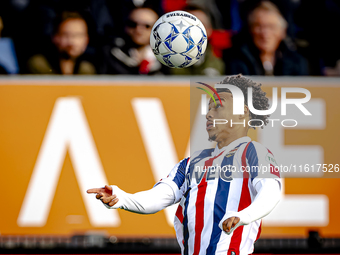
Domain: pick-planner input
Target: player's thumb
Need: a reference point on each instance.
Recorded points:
(235, 221)
(108, 188)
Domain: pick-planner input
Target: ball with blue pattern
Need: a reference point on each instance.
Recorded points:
(178, 39)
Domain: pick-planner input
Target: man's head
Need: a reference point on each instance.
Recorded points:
(71, 35)
(267, 27)
(225, 112)
(139, 25)
(202, 15)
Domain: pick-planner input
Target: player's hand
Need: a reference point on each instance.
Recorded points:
(105, 194)
(230, 223)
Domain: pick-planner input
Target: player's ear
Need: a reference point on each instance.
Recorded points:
(246, 112)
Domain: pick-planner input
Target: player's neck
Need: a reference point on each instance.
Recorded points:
(229, 139)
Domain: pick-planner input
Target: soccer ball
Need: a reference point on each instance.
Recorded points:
(178, 39)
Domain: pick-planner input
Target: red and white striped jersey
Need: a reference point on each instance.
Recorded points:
(210, 184)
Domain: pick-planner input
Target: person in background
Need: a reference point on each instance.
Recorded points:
(8, 56)
(209, 64)
(133, 54)
(70, 40)
(108, 16)
(266, 52)
(2, 69)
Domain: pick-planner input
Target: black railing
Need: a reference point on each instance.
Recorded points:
(97, 244)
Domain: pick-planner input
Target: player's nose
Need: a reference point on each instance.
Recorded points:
(209, 115)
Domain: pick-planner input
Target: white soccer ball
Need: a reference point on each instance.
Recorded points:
(178, 39)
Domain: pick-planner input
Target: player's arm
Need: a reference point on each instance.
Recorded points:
(144, 202)
(268, 196)
(166, 192)
(266, 183)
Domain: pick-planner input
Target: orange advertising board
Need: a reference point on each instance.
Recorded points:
(60, 137)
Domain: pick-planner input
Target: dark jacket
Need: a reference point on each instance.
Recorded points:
(2, 70)
(118, 60)
(208, 64)
(49, 64)
(246, 60)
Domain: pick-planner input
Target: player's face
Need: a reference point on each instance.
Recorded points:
(72, 37)
(267, 31)
(140, 24)
(221, 112)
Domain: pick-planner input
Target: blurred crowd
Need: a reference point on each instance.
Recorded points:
(252, 37)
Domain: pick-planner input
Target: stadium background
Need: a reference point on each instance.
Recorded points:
(117, 150)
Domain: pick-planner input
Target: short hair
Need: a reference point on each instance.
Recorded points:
(144, 7)
(269, 7)
(66, 15)
(195, 7)
(260, 101)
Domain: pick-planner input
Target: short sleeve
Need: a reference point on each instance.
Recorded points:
(176, 179)
(262, 163)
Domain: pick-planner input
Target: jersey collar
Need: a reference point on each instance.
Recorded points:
(232, 145)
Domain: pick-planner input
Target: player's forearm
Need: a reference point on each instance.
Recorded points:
(144, 202)
(268, 195)
(267, 198)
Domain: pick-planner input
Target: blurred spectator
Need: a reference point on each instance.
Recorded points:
(267, 51)
(209, 64)
(109, 16)
(70, 39)
(133, 54)
(2, 69)
(16, 29)
(8, 59)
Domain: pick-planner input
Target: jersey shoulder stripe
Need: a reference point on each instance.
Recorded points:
(199, 155)
(265, 158)
(179, 177)
(252, 160)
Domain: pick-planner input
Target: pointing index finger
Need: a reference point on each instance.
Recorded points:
(95, 190)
